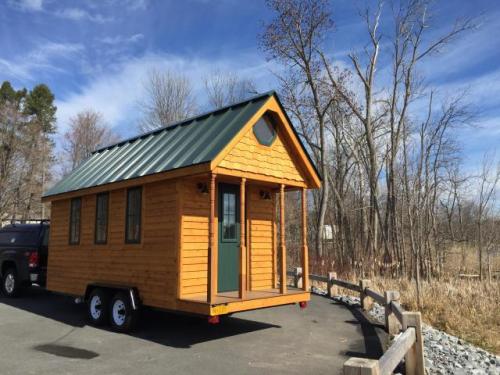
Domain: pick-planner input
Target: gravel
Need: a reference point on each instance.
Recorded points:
(444, 354)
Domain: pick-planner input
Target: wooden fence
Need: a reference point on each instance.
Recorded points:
(408, 344)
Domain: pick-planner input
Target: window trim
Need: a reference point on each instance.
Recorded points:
(138, 240)
(236, 212)
(267, 119)
(105, 241)
(71, 241)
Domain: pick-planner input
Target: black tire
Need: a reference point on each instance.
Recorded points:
(98, 307)
(122, 316)
(11, 286)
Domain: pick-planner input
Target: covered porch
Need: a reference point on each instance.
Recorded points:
(254, 287)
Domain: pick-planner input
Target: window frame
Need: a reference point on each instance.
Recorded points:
(71, 221)
(106, 218)
(234, 215)
(267, 119)
(127, 222)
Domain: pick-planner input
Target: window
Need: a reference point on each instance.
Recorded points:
(74, 221)
(101, 218)
(133, 219)
(45, 238)
(229, 218)
(19, 238)
(264, 131)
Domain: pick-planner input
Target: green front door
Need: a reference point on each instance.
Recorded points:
(229, 237)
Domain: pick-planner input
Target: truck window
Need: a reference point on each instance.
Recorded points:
(45, 239)
(19, 238)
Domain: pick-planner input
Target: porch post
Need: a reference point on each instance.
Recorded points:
(243, 251)
(212, 248)
(282, 240)
(305, 252)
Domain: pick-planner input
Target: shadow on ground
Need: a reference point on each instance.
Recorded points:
(174, 330)
(373, 348)
(180, 331)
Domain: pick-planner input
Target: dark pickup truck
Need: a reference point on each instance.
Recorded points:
(23, 256)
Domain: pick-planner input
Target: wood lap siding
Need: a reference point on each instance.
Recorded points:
(194, 247)
(250, 156)
(151, 265)
(260, 217)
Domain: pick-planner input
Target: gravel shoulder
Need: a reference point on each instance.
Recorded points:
(444, 354)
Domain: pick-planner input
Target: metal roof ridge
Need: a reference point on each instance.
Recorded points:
(186, 121)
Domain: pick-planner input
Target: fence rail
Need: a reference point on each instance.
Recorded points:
(407, 325)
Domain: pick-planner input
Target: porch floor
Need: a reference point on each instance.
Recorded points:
(228, 297)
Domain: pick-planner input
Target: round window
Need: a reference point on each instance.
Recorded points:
(264, 131)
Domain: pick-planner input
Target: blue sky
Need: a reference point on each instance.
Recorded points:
(96, 53)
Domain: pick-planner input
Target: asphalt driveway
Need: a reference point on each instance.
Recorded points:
(44, 333)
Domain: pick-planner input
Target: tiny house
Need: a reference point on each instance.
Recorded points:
(189, 217)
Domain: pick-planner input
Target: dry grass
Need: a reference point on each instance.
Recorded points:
(467, 309)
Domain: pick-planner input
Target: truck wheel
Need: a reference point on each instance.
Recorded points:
(97, 307)
(10, 283)
(122, 316)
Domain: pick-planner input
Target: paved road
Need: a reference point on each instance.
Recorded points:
(44, 333)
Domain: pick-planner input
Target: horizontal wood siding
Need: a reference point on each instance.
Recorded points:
(194, 245)
(248, 155)
(151, 266)
(260, 218)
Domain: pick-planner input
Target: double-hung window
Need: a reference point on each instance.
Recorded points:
(101, 218)
(133, 218)
(74, 221)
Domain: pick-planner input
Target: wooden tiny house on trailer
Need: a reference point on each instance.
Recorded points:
(161, 215)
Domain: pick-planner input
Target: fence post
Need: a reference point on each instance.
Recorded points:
(391, 322)
(331, 288)
(297, 277)
(366, 302)
(414, 358)
(361, 366)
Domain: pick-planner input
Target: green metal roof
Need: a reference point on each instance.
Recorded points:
(193, 141)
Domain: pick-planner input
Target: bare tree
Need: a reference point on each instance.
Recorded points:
(295, 37)
(224, 88)
(169, 98)
(87, 131)
(488, 181)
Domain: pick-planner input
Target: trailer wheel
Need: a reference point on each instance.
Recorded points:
(10, 283)
(122, 316)
(97, 307)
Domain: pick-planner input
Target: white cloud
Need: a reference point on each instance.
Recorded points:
(116, 94)
(74, 14)
(41, 58)
(77, 14)
(119, 39)
(470, 48)
(28, 5)
(137, 4)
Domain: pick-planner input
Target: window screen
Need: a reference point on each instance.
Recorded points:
(101, 218)
(74, 221)
(133, 220)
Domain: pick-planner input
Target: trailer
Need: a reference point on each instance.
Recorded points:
(187, 218)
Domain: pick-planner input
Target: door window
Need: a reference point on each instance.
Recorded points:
(229, 216)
